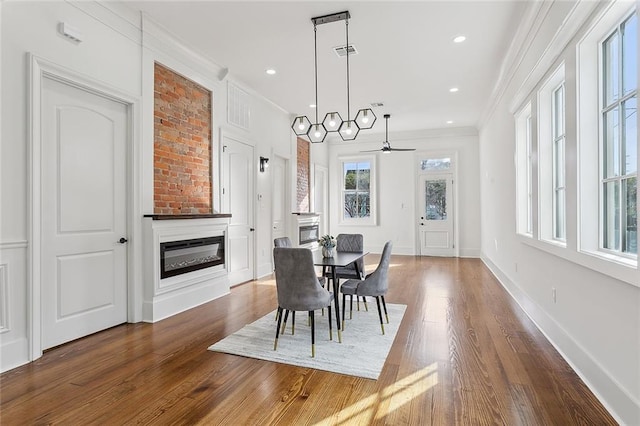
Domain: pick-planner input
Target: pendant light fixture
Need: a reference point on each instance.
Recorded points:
(333, 122)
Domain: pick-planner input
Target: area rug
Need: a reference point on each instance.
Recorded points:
(362, 352)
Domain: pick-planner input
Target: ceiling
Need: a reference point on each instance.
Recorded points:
(406, 58)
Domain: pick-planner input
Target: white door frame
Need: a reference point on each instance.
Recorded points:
(39, 69)
(419, 156)
(226, 132)
(287, 196)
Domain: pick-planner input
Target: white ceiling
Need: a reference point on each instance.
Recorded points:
(407, 59)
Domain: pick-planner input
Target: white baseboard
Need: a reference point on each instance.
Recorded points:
(264, 270)
(623, 406)
(469, 252)
(14, 354)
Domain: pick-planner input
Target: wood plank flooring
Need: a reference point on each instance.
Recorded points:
(465, 354)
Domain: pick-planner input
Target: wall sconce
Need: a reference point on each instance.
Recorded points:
(264, 163)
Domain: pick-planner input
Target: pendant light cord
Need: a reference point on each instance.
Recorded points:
(315, 49)
(348, 100)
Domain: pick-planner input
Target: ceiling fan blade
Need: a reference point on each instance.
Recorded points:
(372, 150)
(402, 149)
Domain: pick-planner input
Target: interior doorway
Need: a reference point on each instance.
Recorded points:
(436, 226)
(79, 260)
(237, 198)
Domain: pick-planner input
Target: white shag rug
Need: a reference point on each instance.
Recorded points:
(362, 352)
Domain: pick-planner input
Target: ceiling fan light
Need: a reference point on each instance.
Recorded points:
(301, 125)
(365, 118)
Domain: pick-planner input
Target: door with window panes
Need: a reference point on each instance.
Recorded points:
(436, 214)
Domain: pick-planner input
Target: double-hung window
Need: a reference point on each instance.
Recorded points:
(559, 211)
(358, 190)
(619, 144)
(524, 171)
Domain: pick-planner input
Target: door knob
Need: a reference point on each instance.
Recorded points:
(251, 229)
(122, 240)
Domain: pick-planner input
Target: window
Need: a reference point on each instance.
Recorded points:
(358, 196)
(435, 164)
(559, 216)
(619, 151)
(551, 159)
(524, 171)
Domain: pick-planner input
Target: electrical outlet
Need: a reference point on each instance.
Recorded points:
(553, 294)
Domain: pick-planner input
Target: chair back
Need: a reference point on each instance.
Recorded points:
(297, 285)
(282, 242)
(351, 243)
(377, 282)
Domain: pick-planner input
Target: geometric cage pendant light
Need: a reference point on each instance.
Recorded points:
(347, 129)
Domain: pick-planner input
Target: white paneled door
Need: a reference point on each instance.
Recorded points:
(238, 175)
(84, 263)
(436, 215)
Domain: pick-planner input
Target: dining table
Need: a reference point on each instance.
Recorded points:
(339, 259)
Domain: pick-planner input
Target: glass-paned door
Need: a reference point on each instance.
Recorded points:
(436, 215)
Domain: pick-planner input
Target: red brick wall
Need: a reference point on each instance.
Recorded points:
(304, 182)
(182, 145)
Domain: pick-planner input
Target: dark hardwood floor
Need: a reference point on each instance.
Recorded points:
(465, 354)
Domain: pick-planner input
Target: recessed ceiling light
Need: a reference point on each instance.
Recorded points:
(271, 71)
(459, 39)
(312, 105)
(450, 122)
(453, 89)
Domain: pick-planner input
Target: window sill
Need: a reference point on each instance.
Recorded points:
(617, 267)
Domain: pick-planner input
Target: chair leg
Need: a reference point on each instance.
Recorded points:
(293, 321)
(313, 334)
(351, 306)
(384, 305)
(366, 308)
(380, 313)
(284, 325)
(344, 300)
(279, 316)
(330, 328)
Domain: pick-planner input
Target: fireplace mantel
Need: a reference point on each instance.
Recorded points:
(187, 216)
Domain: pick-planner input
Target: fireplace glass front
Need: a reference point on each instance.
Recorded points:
(180, 257)
(308, 234)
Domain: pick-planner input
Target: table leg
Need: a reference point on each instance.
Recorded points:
(336, 302)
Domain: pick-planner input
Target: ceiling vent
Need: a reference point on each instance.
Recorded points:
(375, 104)
(342, 50)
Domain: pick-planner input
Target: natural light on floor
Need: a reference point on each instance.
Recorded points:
(386, 401)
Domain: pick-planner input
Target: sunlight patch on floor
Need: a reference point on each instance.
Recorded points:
(393, 396)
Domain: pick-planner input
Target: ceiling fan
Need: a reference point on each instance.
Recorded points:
(386, 146)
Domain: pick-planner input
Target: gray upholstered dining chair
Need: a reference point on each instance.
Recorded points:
(282, 242)
(351, 243)
(299, 289)
(375, 284)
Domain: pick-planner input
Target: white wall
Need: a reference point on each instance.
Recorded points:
(118, 50)
(397, 178)
(595, 322)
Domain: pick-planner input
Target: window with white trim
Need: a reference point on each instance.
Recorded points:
(551, 159)
(607, 70)
(559, 209)
(358, 190)
(619, 139)
(524, 171)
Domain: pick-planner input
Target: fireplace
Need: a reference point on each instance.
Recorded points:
(180, 257)
(308, 234)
